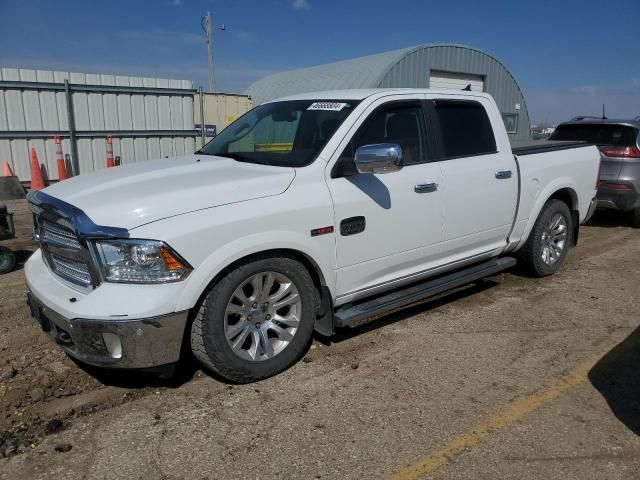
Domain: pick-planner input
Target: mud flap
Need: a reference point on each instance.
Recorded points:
(325, 324)
(575, 216)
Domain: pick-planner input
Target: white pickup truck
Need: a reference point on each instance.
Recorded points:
(309, 212)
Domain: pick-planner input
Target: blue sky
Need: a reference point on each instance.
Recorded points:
(568, 56)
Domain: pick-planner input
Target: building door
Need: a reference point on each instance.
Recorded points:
(456, 81)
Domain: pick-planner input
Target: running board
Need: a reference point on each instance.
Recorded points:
(351, 312)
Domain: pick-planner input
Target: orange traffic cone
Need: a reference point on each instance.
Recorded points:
(6, 170)
(62, 171)
(110, 163)
(37, 181)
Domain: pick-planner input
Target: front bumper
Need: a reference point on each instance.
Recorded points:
(117, 343)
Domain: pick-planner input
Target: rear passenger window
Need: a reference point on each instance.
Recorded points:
(465, 129)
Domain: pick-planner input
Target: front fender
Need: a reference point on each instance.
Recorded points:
(316, 249)
(212, 239)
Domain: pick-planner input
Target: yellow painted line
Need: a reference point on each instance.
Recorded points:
(510, 415)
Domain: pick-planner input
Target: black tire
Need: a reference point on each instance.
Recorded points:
(208, 340)
(530, 256)
(635, 218)
(7, 260)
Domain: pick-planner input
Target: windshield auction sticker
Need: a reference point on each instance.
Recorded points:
(331, 106)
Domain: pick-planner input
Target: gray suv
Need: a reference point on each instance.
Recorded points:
(619, 144)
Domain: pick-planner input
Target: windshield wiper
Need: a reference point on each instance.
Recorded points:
(202, 152)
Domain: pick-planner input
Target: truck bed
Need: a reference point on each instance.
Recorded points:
(531, 147)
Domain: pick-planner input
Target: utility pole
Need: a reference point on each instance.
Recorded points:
(208, 27)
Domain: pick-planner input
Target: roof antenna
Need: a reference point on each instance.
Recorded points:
(467, 88)
(604, 117)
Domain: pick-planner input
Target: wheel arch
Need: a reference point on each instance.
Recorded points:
(568, 195)
(305, 259)
(219, 265)
(565, 192)
(570, 198)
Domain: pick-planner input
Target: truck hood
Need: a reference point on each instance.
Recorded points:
(132, 195)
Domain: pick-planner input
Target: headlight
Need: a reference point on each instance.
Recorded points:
(140, 261)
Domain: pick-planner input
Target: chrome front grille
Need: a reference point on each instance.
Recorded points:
(62, 229)
(75, 271)
(65, 254)
(60, 236)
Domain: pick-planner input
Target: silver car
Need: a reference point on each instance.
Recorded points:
(619, 144)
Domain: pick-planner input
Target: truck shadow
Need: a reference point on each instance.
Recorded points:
(617, 377)
(610, 219)
(422, 307)
(169, 376)
(373, 188)
(176, 375)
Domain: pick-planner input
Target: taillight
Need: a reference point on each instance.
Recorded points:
(618, 186)
(625, 152)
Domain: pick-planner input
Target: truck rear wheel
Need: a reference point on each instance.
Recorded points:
(257, 320)
(549, 240)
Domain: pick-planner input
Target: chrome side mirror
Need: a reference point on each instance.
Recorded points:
(379, 158)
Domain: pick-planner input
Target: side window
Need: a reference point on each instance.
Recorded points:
(510, 121)
(465, 129)
(402, 125)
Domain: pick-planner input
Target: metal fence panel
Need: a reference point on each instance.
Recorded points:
(15, 121)
(61, 104)
(5, 145)
(187, 118)
(37, 112)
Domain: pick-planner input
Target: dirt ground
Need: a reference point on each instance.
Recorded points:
(512, 377)
(39, 385)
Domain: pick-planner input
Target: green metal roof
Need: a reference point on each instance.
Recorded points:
(362, 72)
(405, 68)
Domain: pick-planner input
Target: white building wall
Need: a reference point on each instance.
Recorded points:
(42, 110)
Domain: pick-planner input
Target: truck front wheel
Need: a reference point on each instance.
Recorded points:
(257, 320)
(549, 240)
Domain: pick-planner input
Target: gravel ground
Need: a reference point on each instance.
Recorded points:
(380, 398)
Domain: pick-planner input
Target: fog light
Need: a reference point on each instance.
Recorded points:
(114, 346)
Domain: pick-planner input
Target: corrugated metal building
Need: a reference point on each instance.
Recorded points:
(424, 66)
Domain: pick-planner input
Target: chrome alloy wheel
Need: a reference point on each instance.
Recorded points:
(554, 238)
(262, 316)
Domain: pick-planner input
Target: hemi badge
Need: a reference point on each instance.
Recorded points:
(321, 231)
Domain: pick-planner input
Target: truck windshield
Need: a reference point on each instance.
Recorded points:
(284, 134)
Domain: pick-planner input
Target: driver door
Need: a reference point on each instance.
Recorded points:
(389, 225)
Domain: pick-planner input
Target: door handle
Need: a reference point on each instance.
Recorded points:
(502, 174)
(425, 187)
